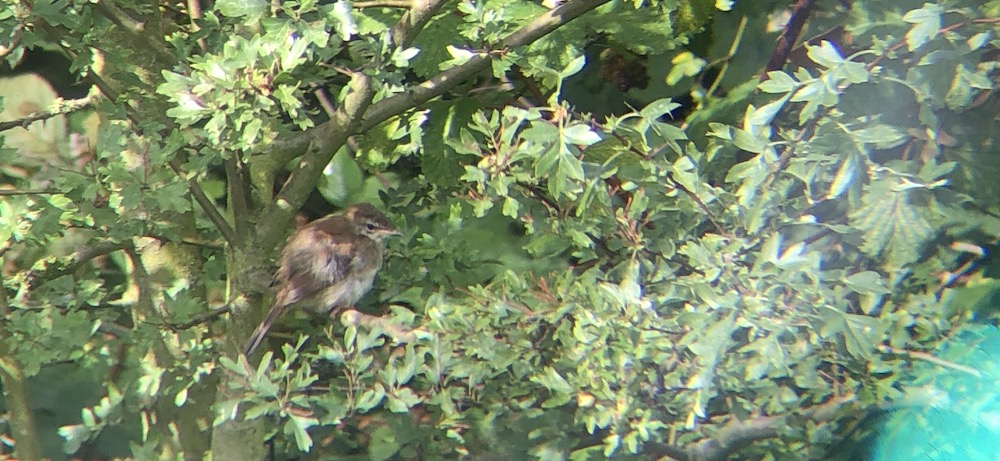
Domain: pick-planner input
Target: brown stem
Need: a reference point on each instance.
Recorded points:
(413, 21)
(294, 145)
(325, 143)
(72, 263)
(15, 394)
(800, 12)
(205, 203)
(202, 318)
(384, 4)
(7, 193)
(738, 434)
(239, 196)
(137, 31)
(64, 108)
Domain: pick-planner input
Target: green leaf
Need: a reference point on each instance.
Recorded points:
(342, 178)
(370, 398)
(459, 56)
(553, 381)
(298, 426)
(384, 444)
(778, 82)
(761, 117)
(825, 54)
(882, 136)
(926, 23)
(181, 397)
(656, 109)
(867, 282)
(750, 142)
(581, 134)
(847, 174)
(250, 9)
(573, 67)
(233, 366)
(685, 64)
(342, 12)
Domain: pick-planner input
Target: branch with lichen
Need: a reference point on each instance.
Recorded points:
(60, 107)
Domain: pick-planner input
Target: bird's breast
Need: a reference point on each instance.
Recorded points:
(345, 293)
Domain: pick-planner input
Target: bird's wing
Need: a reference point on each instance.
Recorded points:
(310, 266)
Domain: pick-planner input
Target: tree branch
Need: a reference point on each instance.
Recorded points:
(7, 193)
(239, 195)
(201, 318)
(324, 141)
(449, 79)
(15, 393)
(383, 4)
(137, 30)
(800, 12)
(413, 21)
(352, 317)
(66, 266)
(63, 107)
(738, 434)
(205, 203)
(930, 358)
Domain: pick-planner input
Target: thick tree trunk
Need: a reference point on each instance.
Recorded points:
(15, 396)
(238, 440)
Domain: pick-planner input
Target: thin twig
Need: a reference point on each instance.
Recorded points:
(932, 359)
(137, 30)
(353, 317)
(302, 180)
(73, 262)
(21, 14)
(733, 48)
(207, 244)
(384, 4)
(195, 15)
(953, 276)
(800, 12)
(737, 434)
(531, 85)
(295, 144)
(539, 194)
(201, 318)
(227, 231)
(324, 102)
(63, 107)
(8, 193)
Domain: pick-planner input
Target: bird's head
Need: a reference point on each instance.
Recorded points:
(370, 222)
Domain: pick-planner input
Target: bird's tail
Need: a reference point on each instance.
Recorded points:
(261, 332)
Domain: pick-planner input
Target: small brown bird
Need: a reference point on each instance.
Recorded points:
(328, 265)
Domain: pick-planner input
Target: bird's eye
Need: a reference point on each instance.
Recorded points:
(370, 226)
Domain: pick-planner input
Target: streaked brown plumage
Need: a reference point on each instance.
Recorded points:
(328, 265)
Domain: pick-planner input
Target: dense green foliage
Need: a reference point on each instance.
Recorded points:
(746, 273)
